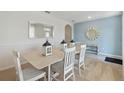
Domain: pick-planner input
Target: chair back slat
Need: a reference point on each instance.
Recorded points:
(18, 68)
(82, 53)
(69, 57)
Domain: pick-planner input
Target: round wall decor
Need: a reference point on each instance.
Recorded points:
(92, 33)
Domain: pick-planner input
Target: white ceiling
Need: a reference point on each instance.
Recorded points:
(81, 16)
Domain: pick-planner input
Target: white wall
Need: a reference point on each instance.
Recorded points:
(14, 33)
(123, 41)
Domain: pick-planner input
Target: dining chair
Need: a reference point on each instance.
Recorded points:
(69, 59)
(80, 59)
(65, 68)
(26, 74)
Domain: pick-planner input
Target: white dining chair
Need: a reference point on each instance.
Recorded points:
(64, 70)
(29, 73)
(69, 59)
(80, 60)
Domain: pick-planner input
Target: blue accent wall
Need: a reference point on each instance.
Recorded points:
(110, 39)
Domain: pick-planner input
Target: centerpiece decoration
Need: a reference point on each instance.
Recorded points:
(72, 43)
(47, 47)
(63, 44)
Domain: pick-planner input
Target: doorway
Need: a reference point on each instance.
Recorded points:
(68, 33)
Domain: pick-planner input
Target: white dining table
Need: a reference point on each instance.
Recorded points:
(39, 61)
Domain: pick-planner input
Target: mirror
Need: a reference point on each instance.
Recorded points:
(39, 30)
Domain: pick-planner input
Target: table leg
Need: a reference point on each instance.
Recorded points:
(49, 74)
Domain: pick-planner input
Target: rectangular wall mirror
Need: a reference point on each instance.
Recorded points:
(40, 30)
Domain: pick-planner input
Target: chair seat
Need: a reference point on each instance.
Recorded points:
(32, 74)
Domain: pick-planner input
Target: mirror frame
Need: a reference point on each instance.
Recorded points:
(35, 22)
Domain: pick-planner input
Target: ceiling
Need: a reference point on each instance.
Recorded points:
(81, 16)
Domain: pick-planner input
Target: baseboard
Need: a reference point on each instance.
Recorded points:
(123, 73)
(110, 55)
(8, 67)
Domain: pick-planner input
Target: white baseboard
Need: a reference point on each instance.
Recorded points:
(110, 55)
(7, 67)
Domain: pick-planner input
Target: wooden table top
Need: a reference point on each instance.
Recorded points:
(40, 61)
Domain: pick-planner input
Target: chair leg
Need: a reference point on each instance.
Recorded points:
(79, 71)
(79, 68)
(73, 75)
(64, 77)
(84, 66)
(45, 79)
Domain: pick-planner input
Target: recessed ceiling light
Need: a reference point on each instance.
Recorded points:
(89, 17)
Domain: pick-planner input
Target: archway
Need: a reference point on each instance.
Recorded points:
(68, 33)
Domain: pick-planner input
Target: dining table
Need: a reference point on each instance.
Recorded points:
(39, 61)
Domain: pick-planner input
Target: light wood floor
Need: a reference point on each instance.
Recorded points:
(96, 70)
